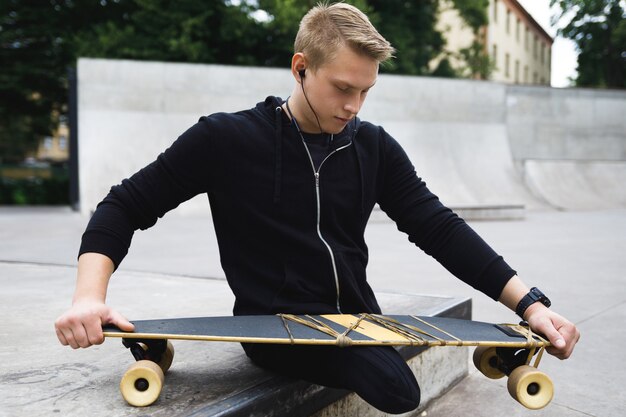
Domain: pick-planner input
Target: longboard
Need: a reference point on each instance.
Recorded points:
(502, 349)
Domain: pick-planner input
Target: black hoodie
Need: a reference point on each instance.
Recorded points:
(292, 241)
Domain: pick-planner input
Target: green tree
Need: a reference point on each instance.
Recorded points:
(477, 62)
(410, 27)
(473, 12)
(598, 28)
(40, 40)
(472, 61)
(181, 30)
(30, 56)
(35, 52)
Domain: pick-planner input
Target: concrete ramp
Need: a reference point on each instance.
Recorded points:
(578, 185)
(465, 164)
(469, 140)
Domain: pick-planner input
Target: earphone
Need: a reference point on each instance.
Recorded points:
(302, 73)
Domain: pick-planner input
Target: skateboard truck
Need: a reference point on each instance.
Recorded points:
(507, 359)
(146, 349)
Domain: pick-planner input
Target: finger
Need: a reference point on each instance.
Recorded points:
(554, 336)
(65, 334)
(557, 353)
(80, 335)
(68, 334)
(571, 335)
(121, 322)
(93, 331)
(61, 336)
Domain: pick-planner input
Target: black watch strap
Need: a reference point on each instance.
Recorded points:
(533, 296)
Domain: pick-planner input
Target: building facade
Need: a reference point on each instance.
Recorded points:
(519, 47)
(54, 148)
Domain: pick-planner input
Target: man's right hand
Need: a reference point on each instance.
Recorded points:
(81, 325)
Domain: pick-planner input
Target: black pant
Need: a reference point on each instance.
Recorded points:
(379, 375)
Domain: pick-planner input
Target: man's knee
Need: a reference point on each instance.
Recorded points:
(393, 401)
(407, 400)
(397, 394)
(390, 386)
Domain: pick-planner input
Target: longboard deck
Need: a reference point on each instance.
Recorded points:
(141, 384)
(364, 330)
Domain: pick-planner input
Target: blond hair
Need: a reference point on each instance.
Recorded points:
(325, 28)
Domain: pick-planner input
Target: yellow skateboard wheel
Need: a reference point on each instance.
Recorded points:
(142, 383)
(167, 358)
(530, 387)
(486, 359)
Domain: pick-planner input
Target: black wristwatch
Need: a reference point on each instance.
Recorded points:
(533, 296)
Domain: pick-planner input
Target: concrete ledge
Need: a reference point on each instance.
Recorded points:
(436, 370)
(491, 212)
(472, 212)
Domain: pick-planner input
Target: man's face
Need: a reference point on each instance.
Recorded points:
(337, 90)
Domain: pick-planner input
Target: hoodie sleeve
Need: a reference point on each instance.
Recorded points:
(178, 174)
(435, 228)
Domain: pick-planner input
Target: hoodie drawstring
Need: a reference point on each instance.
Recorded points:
(278, 168)
(355, 129)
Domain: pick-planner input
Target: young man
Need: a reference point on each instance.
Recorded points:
(291, 186)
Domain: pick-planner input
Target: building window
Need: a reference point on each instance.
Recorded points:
(525, 74)
(517, 71)
(534, 78)
(543, 53)
(62, 142)
(508, 22)
(506, 65)
(549, 61)
(495, 54)
(517, 26)
(526, 39)
(535, 41)
(47, 143)
(495, 11)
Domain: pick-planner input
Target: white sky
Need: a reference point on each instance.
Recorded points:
(563, 50)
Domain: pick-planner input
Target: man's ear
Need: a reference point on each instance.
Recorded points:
(298, 66)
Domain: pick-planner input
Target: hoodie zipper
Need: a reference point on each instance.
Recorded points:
(316, 173)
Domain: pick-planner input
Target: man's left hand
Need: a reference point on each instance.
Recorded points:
(562, 334)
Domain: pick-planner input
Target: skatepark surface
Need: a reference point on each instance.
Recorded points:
(576, 257)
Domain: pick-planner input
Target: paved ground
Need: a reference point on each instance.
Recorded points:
(575, 257)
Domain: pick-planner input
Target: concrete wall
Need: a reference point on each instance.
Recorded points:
(571, 124)
(467, 139)
(570, 145)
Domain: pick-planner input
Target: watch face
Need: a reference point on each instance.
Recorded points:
(539, 296)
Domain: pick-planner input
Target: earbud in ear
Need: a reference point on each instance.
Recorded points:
(302, 73)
